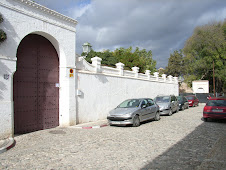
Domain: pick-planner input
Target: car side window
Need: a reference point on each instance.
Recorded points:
(144, 102)
(150, 102)
(171, 99)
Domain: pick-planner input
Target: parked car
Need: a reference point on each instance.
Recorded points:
(134, 111)
(183, 102)
(167, 104)
(215, 108)
(193, 100)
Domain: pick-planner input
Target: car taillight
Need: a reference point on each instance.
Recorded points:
(207, 109)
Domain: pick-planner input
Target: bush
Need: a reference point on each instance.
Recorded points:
(3, 35)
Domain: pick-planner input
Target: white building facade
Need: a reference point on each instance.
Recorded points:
(43, 85)
(200, 86)
(28, 26)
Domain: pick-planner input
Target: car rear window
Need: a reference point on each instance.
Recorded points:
(216, 103)
(163, 99)
(190, 97)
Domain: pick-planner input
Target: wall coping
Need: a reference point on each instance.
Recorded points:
(82, 66)
(47, 10)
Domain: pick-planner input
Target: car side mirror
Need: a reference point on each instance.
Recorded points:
(144, 106)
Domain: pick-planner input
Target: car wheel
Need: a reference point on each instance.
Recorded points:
(170, 112)
(182, 107)
(205, 119)
(136, 121)
(157, 116)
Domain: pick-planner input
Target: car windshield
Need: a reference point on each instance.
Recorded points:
(179, 98)
(216, 103)
(130, 103)
(190, 97)
(162, 99)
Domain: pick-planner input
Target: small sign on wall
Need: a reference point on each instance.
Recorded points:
(71, 74)
(6, 76)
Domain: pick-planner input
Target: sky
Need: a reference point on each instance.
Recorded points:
(161, 26)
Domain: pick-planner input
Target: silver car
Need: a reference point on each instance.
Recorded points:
(134, 111)
(167, 104)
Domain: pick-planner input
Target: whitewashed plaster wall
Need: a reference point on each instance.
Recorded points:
(23, 17)
(200, 86)
(98, 93)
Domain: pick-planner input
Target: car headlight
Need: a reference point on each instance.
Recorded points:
(179, 104)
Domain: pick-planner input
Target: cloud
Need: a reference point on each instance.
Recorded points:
(161, 26)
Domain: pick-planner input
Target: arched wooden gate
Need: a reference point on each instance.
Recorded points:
(35, 95)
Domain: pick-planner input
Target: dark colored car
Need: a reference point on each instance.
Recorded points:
(134, 111)
(193, 100)
(183, 102)
(215, 108)
(167, 104)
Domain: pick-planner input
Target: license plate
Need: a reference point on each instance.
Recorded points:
(217, 110)
(115, 122)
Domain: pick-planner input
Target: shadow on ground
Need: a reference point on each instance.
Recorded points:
(195, 148)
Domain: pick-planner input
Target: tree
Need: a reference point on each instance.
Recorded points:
(175, 64)
(140, 58)
(3, 35)
(206, 46)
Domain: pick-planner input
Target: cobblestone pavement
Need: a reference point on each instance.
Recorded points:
(180, 141)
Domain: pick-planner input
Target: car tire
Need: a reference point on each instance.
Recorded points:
(182, 108)
(205, 119)
(170, 112)
(157, 116)
(136, 121)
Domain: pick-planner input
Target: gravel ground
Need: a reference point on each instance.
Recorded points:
(181, 141)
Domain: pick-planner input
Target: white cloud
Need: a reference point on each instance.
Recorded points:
(161, 26)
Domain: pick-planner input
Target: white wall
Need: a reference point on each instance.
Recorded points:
(20, 19)
(102, 92)
(201, 86)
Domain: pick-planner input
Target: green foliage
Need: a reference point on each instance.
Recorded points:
(3, 35)
(206, 46)
(1, 18)
(140, 58)
(175, 64)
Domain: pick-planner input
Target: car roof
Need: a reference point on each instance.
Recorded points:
(138, 98)
(164, 95)
(218, 98)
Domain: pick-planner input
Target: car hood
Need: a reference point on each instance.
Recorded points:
(123, 111)
(162, 104)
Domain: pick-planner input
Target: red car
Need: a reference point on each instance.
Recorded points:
(192, 100)
(215, 108)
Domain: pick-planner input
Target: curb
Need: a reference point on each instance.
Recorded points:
(90, 127)
(7, 144)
